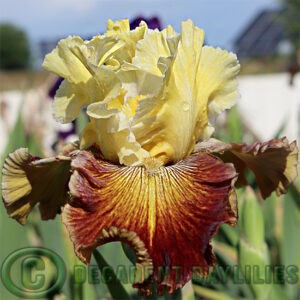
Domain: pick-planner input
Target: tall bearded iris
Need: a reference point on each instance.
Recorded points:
(146, 171)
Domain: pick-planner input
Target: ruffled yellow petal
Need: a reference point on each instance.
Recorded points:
(175, 113)
(64, 61)
(173, 88)
(73, 58)
(121, 30)
(197, 84)
(216, 82)
(88, 136)
(112, 130)
(100, 49)
(86, 79)
(68, 102)
(70, 97)
(137, 81)
(117, 27)
(149, 50)
(119, 146)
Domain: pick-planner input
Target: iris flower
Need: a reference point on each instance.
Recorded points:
(146, 170)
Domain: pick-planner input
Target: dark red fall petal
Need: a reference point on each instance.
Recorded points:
(168, 215)
(274, 163)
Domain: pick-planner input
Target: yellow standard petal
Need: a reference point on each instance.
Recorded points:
(110, 128)
(64, 61)
(86, 78)
(121, 30)
(169, 131)
(198, 83)
(216, 81)
(149, 93)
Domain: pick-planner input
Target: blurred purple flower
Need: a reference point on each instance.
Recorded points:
(152, 23)
(55, 87)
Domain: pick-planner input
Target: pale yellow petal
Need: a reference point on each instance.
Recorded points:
(118, 26)
(150, 93)
(149, 50)
(87, 80)
(70, 98)
(216, 79)
(108, 85)
(144, 76)
(100, 49)
(118, 145)
(138, 81)
(198, 84)
(64, 61)
(112, 64)
(112, 123)
(88, 136)
(121, 30)
(169, 32)
(74, 58)
(172, 38)
(171, 125)
(101, 110)
(68, 102)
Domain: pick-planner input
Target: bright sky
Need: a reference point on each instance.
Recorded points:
(222, 20)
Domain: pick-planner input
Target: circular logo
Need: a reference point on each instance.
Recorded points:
(33, 271)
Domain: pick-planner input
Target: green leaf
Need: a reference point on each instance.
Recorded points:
(253, 251)
(176, 295)
(253, 223)
(34, 146)
(81, 122)
(235, 125)
(233, 130)
(294, 193)
(211, 294)
(230, 233)
(17, 138)
(290, 243)
(116, 289)
(17, 237)
(187, 291)
(129, 253)
(225, 252)
(269, 215)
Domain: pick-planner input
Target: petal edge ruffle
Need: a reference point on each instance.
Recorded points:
(274, 163)
(169, 208)
(28, 180)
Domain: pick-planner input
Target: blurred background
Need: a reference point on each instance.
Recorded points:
(265, 35)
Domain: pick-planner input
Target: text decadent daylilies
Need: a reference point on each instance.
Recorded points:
(146, 171)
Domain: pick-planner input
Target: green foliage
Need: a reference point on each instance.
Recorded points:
(290, 243)
(14, 48)
(116, 289)
(253, 251)
(18, 237)
(233, 130)
(81, 122)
